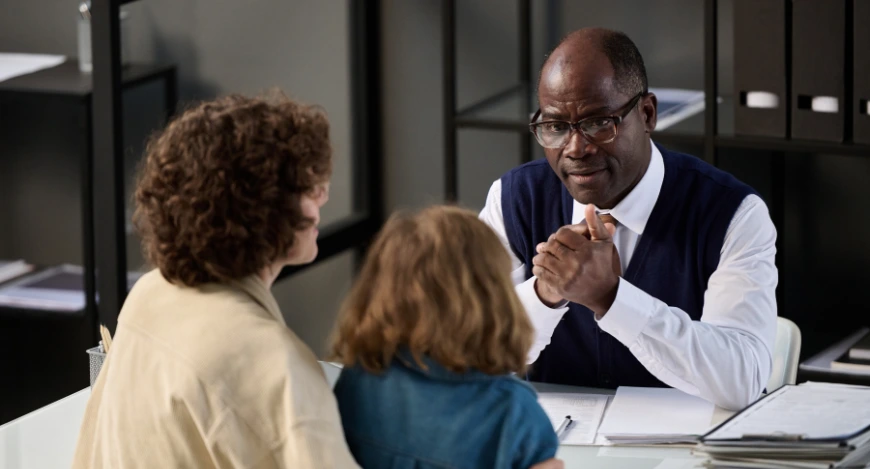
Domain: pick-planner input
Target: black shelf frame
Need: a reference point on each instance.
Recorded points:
(353, 232)
(455, 118)
(64, 82)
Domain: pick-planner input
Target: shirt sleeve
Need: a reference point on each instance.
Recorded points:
(726, 357)
(535, 438)
(544, 319)
(314, 444)
(308, 443)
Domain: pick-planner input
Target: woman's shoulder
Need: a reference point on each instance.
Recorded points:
(518, 389)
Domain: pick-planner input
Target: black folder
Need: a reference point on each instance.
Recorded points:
(759, 66)
(861, 64)
(818, 69)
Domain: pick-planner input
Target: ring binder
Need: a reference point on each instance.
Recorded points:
(818, 70)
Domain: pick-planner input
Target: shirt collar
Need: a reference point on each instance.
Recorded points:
(635, 209)
(256, 288)
(434, 370)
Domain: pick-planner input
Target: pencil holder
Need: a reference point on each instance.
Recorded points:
(96, 358)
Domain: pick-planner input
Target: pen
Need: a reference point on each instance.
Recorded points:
(563, 428)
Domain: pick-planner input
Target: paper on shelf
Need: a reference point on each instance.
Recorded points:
(675, 105)
(13, 269)
(13, 65)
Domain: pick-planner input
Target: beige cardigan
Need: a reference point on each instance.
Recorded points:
(209, 377)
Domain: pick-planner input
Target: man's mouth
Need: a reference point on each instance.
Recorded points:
(585, 176)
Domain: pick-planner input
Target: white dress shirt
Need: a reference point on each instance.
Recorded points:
(726, 356)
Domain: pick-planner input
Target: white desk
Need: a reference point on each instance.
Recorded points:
(46, 438)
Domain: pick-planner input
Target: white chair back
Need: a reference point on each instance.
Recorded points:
(331, 370)
(786, 354)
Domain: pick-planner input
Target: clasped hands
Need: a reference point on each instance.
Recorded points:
(579, 264)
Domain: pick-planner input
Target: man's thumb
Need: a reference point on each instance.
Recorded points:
(597, 229)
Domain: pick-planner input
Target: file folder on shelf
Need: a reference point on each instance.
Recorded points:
(861, 72)
(818, 70)
(759, 68)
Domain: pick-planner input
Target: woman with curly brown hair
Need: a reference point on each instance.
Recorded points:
(203, 371)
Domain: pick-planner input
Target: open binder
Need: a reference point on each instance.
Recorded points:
(808, 426)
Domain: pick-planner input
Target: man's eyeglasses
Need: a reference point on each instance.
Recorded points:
(597, 129)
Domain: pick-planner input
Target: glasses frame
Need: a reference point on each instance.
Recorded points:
(617, 118)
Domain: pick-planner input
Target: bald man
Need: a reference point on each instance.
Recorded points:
(638, 266)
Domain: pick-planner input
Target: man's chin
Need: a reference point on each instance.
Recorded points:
(584, 195)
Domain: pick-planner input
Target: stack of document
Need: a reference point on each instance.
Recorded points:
(646, 416)
(58, 288)
(676, 105)
(810, 426)
(856, 359)
(13, 269)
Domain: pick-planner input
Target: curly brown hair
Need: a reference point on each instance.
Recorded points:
(218, 193)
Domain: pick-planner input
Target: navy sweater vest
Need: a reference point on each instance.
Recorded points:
(673, 260)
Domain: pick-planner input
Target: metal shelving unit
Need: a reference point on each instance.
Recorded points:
(353, 232)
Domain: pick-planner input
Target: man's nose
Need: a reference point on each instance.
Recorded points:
(578, 146)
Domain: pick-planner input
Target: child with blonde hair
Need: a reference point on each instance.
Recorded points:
(431, 336)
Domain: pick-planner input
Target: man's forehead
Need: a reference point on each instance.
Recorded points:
(578, 99)
(564, 77)
(564, 110)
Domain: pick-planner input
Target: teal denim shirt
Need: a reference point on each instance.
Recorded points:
(410, 417)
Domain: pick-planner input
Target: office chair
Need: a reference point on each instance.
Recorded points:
(786, 354)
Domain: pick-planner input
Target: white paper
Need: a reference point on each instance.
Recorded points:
(675, 105)
(12, 269)
(13, 65)
(813, 410)
(647, 452)
(586, 410)
(656, 413)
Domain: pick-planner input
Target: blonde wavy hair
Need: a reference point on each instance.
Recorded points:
(436, 283)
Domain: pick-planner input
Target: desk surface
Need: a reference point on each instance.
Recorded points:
(46, 439)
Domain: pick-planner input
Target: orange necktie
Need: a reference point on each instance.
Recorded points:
(608, 218)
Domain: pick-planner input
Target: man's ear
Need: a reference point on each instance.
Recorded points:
(648, 111)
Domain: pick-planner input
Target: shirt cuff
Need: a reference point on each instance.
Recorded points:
(532, 302)
(543, 318)
(629, 314)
